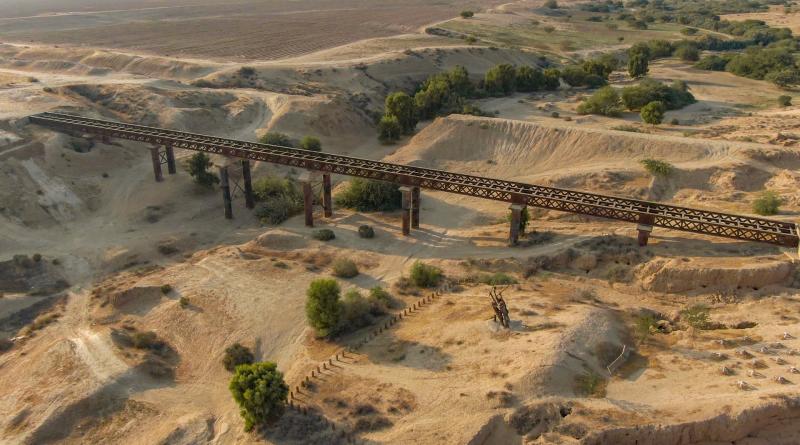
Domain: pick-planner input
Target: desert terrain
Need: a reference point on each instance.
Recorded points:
(689, 340)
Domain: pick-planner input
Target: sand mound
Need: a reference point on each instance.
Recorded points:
(136, 296)
(516, 148)
(279, 239)
(679, 275)
(592, 341)
(95, 62)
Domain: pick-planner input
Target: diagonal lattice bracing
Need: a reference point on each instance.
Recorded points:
(622, 209)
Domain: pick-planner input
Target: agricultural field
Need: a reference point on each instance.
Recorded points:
(251, 30)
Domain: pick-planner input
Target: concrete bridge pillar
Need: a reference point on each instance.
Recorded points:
(644, 228)
(415, 202)
(224, 183)
(249, 201)
(170, 160)
(155, 156)
(516, 218)
(327, 202)
(406, 191)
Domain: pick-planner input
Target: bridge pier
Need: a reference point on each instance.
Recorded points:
(170, 160)
(155, 156)
(406, 206)
(516, 218)
(327, 201)
(225, 185)
(415, 200)
(308, 197)
(644, 228)
(644, 234)
(249, 201)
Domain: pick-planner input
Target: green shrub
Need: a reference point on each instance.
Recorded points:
(602, 66)
(786, 79)
(424, 275)
(281, 199)
(378, 293)
(37, 257)
(689, 31)
(674, 96)
(389, 129)
(696, 316)
(199, 164)
(674, 121)
(183, 302)
(590, 384)
(756, 63)
(366, 195)
(555, 114)
(551, 4)
(497, 279)
(443, 93)
(467, 14)
(310, 143)
(785, 101)
(658, 168)
(365, 231)
(687, 52)
(260, 392)
(713, 62)
(529, 79)
(524, 218)
(323, 235)
(768, 203)
(345, 268)
(236, 355)
(275, 138)
(501, 80)
(166, 288)
(645, 326)
(653, 113)
(323, 306)
(605, 101)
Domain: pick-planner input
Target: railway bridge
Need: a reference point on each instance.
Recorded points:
(645, 214)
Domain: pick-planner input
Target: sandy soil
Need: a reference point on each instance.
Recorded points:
(110, 238)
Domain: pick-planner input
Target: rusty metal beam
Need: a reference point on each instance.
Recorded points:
(622, 209)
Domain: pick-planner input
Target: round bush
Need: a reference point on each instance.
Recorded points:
(345, 268)
(323, 306)
(366, 231)
(236, 355)
(423, 275)
(323, 235)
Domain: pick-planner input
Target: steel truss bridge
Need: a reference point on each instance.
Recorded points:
(644, 213)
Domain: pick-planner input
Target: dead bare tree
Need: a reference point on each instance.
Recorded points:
(500, 307)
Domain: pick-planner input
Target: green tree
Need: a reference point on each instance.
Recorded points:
(199, 164)
(551, 4)
(460, 85)
(260, 392)
(768, 203)
(551, 79)
(605, 101)
(600, 67)
(500, 80)
(785, 101)
(653, 113)
(529, 79)
(389, 129)
(638, 65)
(433, 97)
(401, 106)
(467, 14)
(275, 138)
(310, 143)
(323, 306)
(657, 167)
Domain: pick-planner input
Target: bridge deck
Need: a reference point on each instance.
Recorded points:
(622, 209)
